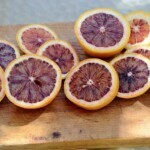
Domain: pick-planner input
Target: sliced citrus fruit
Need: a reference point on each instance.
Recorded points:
(32, 81)
(92, 84)
(102, 32)
(143, 50)
(134, 74)
(140, 28)
(62, 53)
(8, 52)
(2, 93)
(31, 37)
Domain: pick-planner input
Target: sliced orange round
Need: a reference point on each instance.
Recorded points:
(32, 81)
(143, 50)
(92, 84)
(2, 92)
(134, 74)
(102, 32)
(140, 28)
(31, 37)
(62, 53)
(8, 52)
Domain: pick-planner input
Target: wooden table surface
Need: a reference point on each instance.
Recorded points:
(63, 125)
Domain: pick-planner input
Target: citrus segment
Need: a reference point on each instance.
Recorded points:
(2, 92)
(92, 84)
(8, 52)
(85, 85)
(102, 32)
(140, 28)
(143, 50)
(32, 81)
(31, 37)
(134, 74)
(62, 53)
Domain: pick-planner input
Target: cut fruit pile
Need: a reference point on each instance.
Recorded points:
(34, 80)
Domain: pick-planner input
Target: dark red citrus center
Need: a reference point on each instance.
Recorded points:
(143, 52)
(139, 30)
(7, 54)
(91, 82)
(102, 30)
(32, 80)
(133, 74)
(61, 55)
(33, 38)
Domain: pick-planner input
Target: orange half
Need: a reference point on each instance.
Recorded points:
(92, 84)
(62, 53)
(143, 50)
(32, 81)
(134, 74)
(102, 32)
(31, 37)
(140, 28)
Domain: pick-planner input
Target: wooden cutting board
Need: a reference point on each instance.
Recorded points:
(63, 125)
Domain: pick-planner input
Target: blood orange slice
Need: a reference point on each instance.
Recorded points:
(32, 81)
(92, 84)
(134, 74)
(62, 53)
(140, 28)
(143, 50)
(31, 37)
(8, 52)
(102, 32)
(2, 93)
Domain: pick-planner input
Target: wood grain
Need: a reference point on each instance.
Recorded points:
(63, 125)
